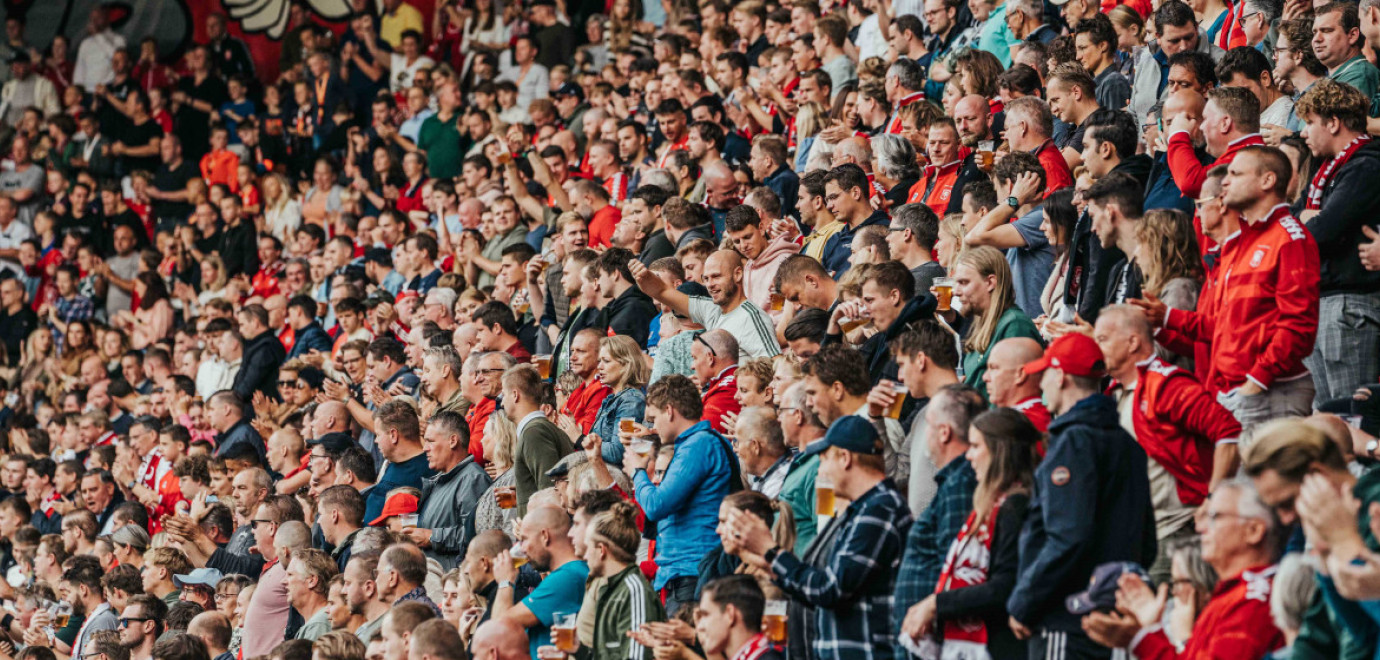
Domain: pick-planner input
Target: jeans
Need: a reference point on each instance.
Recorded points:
(680, 592)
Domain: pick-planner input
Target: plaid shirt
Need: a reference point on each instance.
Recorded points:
(934, 531)
(852, 594)
(76, 308)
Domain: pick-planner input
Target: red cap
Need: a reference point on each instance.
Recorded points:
(397, 504)
(1075, 354)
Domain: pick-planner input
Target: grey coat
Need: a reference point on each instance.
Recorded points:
(447, 509)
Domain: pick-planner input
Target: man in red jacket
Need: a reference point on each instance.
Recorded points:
(714, 356)
(1265, 309)
(1231, 122)
(1238, 537)
(583, 403)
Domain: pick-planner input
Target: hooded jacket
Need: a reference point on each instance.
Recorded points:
(1349, 202)
(259, 367)
(759, 273)
(1090, 505)
(630, 314)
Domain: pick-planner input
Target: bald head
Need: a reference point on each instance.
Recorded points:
(331, 417)
(973, 104)
(1128, 319)
(717, 173)
(856, 150)
(726, 259)
(1007, 383)
(972, 117)
(550, 519)
(500, 639)
(1018, 350)
(293, 535)
(1184, 100)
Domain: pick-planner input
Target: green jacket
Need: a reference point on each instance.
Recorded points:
(1361, 74)
(539, 447)
(627, 602)
(1013, 323)
(799, 491)
(1321, 636)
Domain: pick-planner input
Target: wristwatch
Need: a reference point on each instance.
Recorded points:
(1371, 446)
(505, 583)
(770, 555)
(1013, 202)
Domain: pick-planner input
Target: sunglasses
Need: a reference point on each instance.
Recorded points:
(700, 338)
(125, 621)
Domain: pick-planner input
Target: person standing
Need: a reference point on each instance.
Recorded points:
(540, 443)
(545, 534)
(446, 522)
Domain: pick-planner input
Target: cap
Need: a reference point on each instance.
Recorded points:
(312, 376)
(850, 432)
(378, 297)
(334, 443)
(569, 89)
(443, 296)
(1075, 354)
(562, 467)
(397, 504)
(204, 577)
(379, 255)
(131, 535)
(19, 56)
(1101, 592)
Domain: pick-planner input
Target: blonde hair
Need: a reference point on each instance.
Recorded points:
(810, 119)
(338, 645)
(761, 369)
(988, 262)
(776, 513)
(1169, 249)
(503, 432)
(951, 227)
(221, 276)
(623, 350)
(284, 192)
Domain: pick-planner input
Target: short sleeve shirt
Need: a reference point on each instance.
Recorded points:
(561, 591)
(32, 178)
(1032, 264)
(749, 324)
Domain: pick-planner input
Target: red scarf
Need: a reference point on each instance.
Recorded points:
(968, 564)
(1324, 175)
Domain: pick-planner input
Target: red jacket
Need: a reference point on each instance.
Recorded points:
(583, 404)
(1180, 425)
(1188, 173)
(1262, 317)
(1235, 624)
(719, 398)
(476, 418)
(939, 182)
(602, 224)
(1057, 173)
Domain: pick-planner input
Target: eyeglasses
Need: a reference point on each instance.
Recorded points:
(226, 596)
(894, 229)
(324, 457)
(700, 338)
(1203, 201)
(125, 621)
(255, 523)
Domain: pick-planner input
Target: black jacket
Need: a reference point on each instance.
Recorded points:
(1090, 505)
(969, 171)
(1090, 269)
(310, 338)
(876, 350)
(656, 247)
(988, 599)
(1350, 201)
(259, 367)
(705, 231)
(239, 249)
(629, 314)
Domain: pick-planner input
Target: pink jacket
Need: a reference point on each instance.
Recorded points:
(759, 273)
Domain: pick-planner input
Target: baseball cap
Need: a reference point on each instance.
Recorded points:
(569, 89)
(334, 443)
(1101, 592)
(849, 432)
(397, 504)
(205, 577)
(132, 536)
(1075, 354)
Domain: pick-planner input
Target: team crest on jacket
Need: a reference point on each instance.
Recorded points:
(1258, 257)
(1059, 476)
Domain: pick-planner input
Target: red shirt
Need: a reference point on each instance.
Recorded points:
(1235, 624)
(1188, 173)
(1057, 174)
(1263, 318)
(221, 167)
(410, 197)
(602, 224)
(583, 404)
(894, 126)
(265, 282)
(519, 352)
(617, 187)
(719, 398)
(939, 182)
(1180, 425)
(477, 417)
(679, 145)
(1034, 410)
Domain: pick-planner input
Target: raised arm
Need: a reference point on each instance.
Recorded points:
(652, 285)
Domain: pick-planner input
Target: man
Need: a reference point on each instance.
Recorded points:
(308, 583)
(947, 418)
(1026, 21)
(95, 54)
(497, 330)
(540, 443)
(829, 35)
(161, 565)
(307, 331)
(730, 623)
(436, 639)
(726, 308)
(440, 137)
(263, 353)
(762, 450)
(1337, 42)
(141, 623)
(399, 439)
(838, 384)
(1029, 128)
(26, 90)
(847, 194)
(399, 626)
(584, 401)
(225, 412)
(449, 499)
(1019, 180)
(545, 534)
(771, 165)
(440, 379)
(1072, 99)
(892, 303)
(340, 513)
(1231, 122)
(629, 307)
(213, 629)
(401, 577)
(1298, 67)
(911, 237)
(1338, 209)
(1091, 500)
(1249, 68)
(1114, 209)
(1262, 329)
(1095, 44)
(850, 584)
(800, 426)
(686, 501)
(942, 181)
(83, 585)
(1009, 386)
(1240, 537)
(387, 363)
(1189, 437)
(17, 320)
(500, 639)
(361, 593)
(482, 387)
(762, 253)
(714, 358)
(1176, 32)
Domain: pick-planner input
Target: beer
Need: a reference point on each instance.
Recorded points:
(900, 390)
(944, 292)
(640, 447)
(519, 556)
(778, 301)
(543, 262)
(824, 499)
(626, 425)
(986, 155)
(774, 621)
(521, 308)
(543, 363)
(408, 520)
(505, 157)
(507, 496)
(850, 325)
(60, 621)
(564, 638)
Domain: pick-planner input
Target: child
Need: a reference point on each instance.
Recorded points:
(238, 108)
(754, 383)
(220, 164)
(249, 190)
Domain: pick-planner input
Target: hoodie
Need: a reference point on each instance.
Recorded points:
(759, 273)
(1349, 202)
(631, 314)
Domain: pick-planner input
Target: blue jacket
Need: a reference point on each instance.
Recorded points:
(241, 433)
(1090, 505)
(410, 472)
(786, 184)
(631, 402)
(687, 500)
(840, 246)
(311, 338)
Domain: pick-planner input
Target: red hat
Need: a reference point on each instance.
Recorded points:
(397, 504)
(1075, 354)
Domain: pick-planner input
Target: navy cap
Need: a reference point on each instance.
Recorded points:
(850, 432)
(334, 443)
(1101, 592)
(569, 89)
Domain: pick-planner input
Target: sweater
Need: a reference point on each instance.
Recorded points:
(540, 445)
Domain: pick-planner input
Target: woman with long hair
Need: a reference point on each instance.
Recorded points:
(113, 343)
(282, 213)
(950, 241)
(622, 30)
(809, 121)
(966, 616)
(982, 285)
(976, 72)
(1059, 219)
(154, 317)
(500, 440)
(1170, 265)
(485, 28)
(623, 368)
(37, 364)
(77, 344)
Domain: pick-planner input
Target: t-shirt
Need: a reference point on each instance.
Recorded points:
(1032, 264)
(924, 276)
(443, 146)
(561, 591)
(138, 135)
(167, 179)
(747, 323)
(125, 268)
(31, 178)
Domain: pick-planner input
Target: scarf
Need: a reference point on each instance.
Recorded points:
(1324, 175)
(968, 564)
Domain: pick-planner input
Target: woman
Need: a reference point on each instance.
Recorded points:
(979, 573)
(77, 345)
(1059, 219)
(37, 364)
(623, 369)
(154, 318)
(976, 72)
(1130, 35)
(410, 194)
(809, 121)
(775, 513)
(114, 344)
(57, 67)
(1169, 265)
(982, 284)
(950, 241)
(282, 213)
(322, 201)
(1301, 160)
(625, 28)
(485, 29)
(1192, 582)
(500, 437)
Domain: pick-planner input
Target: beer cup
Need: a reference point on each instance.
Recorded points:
(774, 621)
(543, 364)
(507, 496)
(824, 498)
(944, 292)
(900, 390)
(563, 632)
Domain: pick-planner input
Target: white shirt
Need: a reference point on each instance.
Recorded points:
(10, 239)
(527, 419)
(215, 375)
(93, 59)
(747, 323)
(871, 43)
(400, 73)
